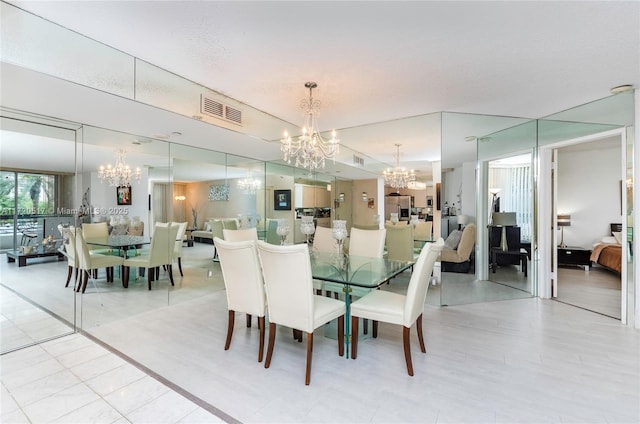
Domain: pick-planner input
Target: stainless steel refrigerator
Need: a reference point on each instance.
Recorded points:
(397, 204)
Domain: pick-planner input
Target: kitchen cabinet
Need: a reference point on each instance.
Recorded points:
(308, 196)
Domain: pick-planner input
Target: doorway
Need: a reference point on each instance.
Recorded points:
(581, 198)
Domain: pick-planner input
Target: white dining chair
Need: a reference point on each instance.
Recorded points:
(323, 240)
(290, 298)
(179, 243)
(160, 254)
(89, 263)
(69, 251)
(240, 235)
(244, 285)
(394, 308)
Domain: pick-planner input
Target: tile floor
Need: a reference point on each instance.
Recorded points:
(75, 380)
(522, 360)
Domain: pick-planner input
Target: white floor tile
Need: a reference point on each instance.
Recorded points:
(135, 395)
(167, 408)
(98, 412)
(64, 402)
(115, 379)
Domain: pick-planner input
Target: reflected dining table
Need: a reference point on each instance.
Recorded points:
(123, 244)
(358, 271)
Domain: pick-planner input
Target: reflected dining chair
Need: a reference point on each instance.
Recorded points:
(243, 283)
(160, 254)
(216, 231)
(272, 232)
(88, 261)
(69, 251)
(399, 309)
(177, 247)
(240, 235)
(399, 242)
(290, 299)
(323, 240)
(97, 230)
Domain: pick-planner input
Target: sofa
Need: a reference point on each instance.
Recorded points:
(206, 235)
(457, 256)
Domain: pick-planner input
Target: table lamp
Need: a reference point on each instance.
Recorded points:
(564, 220)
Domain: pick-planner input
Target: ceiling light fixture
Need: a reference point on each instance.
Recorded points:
(310, 149)
(621, 89)
(249, 185)
(121, 174)
(398, 177)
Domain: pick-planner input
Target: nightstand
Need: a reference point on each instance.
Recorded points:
(574, 256)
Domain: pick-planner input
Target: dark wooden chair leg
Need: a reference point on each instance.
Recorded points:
(248, 320)
(297, 335)
(420, 335)
(170, 271)
(151, 273)
(365, 326)
(125, 276)
(341, 335)
(272, 340)
(180, 266)
(85, 281)
(307, 378)
(69, 273)
(261, 347)
(354, 337)
(375, 329)
(231, 318)
(407, 349)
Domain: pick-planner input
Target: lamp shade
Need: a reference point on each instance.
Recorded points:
(463, 219)
(504, 218)
(564, 220)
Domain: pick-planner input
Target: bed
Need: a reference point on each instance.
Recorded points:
(608, 252)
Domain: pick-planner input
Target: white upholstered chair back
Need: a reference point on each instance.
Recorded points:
(240, 235)
(242, 276)
(177, 247)
(288, 284)
(399, 242)
(419, 282)
(162, 244)
(423, 230)
(323, 240)
(69, 248)
(368, 243)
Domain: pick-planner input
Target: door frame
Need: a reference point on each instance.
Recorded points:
(546, 211)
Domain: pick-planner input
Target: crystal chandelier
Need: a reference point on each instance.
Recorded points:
(398, 177)
(121, 174)
(249, 185)
(310, 149)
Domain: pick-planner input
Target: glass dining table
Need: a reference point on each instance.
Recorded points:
(122, 245)
(354, 271)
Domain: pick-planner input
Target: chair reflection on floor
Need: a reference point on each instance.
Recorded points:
(398, 309)
(290, 299)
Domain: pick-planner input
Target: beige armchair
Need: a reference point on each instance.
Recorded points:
(459, 259)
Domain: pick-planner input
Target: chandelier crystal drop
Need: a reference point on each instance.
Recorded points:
(310, 150)
(249, 185)
(398, 177)
(121, 174)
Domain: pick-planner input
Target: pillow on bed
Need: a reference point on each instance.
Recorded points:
(609, 240)
(618, 236)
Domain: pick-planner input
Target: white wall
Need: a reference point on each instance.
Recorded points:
(103, 198)
(589, 190)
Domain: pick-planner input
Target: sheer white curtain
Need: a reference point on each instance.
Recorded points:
(516, 194)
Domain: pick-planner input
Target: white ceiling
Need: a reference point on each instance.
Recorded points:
(375, 61)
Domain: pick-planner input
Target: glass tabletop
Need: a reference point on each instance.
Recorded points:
(119, 241)
(355, 270)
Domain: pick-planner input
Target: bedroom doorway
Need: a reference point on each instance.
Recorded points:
(582, 206)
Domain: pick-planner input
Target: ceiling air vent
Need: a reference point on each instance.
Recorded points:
(357, 160)
(217, 109)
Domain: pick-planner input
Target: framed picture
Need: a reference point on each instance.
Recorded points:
(282, 200)
(124, 195)
(219, 192)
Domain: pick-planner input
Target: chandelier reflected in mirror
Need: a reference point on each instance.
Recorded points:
(398, 177)
(249, 185)
(121, 174)
(310, 150)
